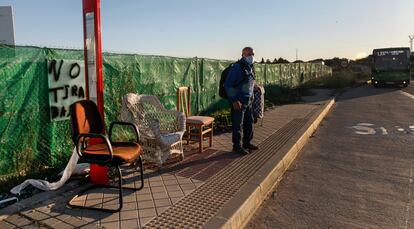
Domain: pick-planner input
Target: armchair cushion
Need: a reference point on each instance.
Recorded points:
(123, 151)
(202, 120)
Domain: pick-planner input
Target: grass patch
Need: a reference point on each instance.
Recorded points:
(339, 80)
(276, 95)
(222, 121)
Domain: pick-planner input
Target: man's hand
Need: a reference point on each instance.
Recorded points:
(237, 105)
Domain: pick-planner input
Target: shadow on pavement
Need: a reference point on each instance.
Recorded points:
(368, 90)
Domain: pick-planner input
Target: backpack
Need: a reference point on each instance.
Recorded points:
(224, 74)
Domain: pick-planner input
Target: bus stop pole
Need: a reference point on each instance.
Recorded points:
(93, 52)
(93, 71)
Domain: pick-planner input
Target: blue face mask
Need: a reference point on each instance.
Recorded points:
(249, 59)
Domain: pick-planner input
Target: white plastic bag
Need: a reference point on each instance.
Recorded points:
(71, 168)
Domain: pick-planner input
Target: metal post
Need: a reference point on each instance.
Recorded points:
(296, 54)
(93, 52)
(411, 37)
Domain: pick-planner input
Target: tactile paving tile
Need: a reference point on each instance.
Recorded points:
(197, 208)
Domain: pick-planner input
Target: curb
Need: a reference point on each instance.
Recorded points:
(238, 211)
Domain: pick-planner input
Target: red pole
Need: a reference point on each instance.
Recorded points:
(93, 70)
(93, 52)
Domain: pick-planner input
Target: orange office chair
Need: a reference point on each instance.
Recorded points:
(198, 127)
(94, 147)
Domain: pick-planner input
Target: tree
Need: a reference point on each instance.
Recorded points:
(282, 61)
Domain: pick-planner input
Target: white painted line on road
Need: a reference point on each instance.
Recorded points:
(408, 206)
(384, 131)
(364, 129)
(365, 124)
(407, 94)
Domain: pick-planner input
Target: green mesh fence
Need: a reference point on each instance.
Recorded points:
(30, 141)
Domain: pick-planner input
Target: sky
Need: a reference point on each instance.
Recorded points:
(219, 29)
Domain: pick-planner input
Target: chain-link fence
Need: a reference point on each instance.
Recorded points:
(29, 141)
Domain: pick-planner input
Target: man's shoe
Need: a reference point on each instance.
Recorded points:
(251, 147)
(240, 150)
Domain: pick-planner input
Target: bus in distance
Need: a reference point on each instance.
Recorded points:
(391, 66)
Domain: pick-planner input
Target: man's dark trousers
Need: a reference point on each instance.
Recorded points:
(243, 117)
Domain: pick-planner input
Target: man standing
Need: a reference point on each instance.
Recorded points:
(239, 88)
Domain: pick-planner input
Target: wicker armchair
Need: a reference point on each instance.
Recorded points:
(161, 130)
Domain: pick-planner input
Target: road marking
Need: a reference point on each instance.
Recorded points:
(384, 131)
(407, 94)
(363, 129)
(365, 124)
(408, 206)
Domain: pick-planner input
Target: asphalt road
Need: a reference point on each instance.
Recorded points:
(357, 170)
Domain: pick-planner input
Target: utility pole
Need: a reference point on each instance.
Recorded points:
(411, 41)
(297, 53)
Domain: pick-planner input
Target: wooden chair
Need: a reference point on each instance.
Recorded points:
(197, 127)
(94, 147)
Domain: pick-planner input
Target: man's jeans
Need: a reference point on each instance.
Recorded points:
(243, 117)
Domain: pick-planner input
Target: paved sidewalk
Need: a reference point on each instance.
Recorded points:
(181, 186)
